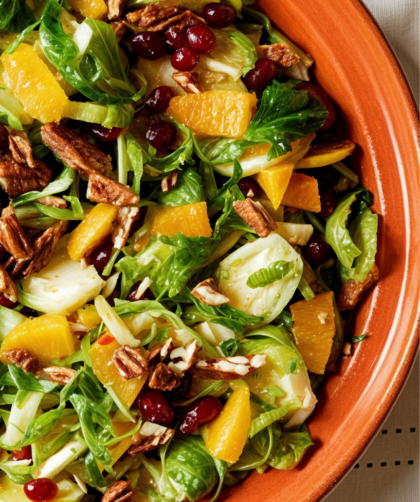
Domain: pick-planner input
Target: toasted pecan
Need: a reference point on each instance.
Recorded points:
(106, 190)
(119, 492)
(119, 28)
(151, 436)
(126, 216)
(115, 8)
(23, 360)
(131, 362)
(163, 378)
(183, 358)
(352, 290)
(53, 201)
(209, 294)
(160, 351)
(7, 286)
(13, 237)
(17, 179)
(169, 182)
(229, 368)
(188, 80)
(256, 216)
(21, 148)
(58, 374)
(281, 55)
(154, 18)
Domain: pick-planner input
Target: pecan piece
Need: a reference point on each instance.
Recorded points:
(352, 290)
(115, 7)
(183, 358)
(58, 374)
(256, 216)
(163, 378)
(169, 182)
(17, 179)
(130, 362)
(53, 201)
(14, 267)
(21, 148)
(119, 492)
(229, 368)
(209, 294)
(188, 80)
(151, 436)
(75, 151)
(154, 18)
(280, 54)
(13, 237)
(104, 189)
(126, 216)
(119, 28)
(23, 360)
(160, 351)
(7, 286)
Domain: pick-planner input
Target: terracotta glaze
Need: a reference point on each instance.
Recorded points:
(356, 66)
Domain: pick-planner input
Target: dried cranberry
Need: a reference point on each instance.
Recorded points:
(103, 133)
(181, 392)
(249, 187)
(200, 412)
(316, 250)
(4, 138)
(262, 75)
(133, 291)
(5, 302)
(161, 135)
(155, 408)
(201, 39)
(158, 100)
(328, 203)
(185, 59)
(219, 15)
(100, 257)
(25, 453)
(149, 46)
(40, 490)
(316, 92)
(176, 37)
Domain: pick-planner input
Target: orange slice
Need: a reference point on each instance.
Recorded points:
(327, 154)
(302, 193)
(95, 9)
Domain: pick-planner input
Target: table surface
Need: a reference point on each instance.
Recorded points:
(389, 470)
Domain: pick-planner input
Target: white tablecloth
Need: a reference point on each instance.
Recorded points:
(389, 469)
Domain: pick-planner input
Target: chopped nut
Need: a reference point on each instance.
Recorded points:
(169, 182)
(229, 368)
(119, 28)
(14, 267)
(75, 151)
(53, 201)
(115, 7)
(7, 286)
(280, 54)
(183, 358)
(163, 378)
(13, 237)
(58, 374)
(130, 362)
(23, 360)
(152, 436)
(17, 179)
(104, 189)
(352, 290)
(126, 216)
(21, 148)
(153, 18)
(119, 492)
(347, 349)
(255, 215)
(209, 294)
(160, 351)
(188, 80)
(322, 316)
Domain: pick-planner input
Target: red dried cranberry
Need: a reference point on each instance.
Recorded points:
(25, 453)
(132, 295)
(262, 75)
(316, 250)
(149, 46)
(200, 412)
(100, 257)
(316, 92)
(201, 39)
(184, 59)
(4, 138)
(155, 408)
(5, 302)
(158, 100)
(161, 135)
(103, 133)
(249, 187)
(328, 203)
(176, 37)
(181, 392)
(219, 15)
(40, 490)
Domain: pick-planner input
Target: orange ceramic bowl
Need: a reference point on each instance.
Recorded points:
(356, 66)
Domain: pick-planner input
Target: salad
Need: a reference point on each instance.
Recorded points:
(183, 242)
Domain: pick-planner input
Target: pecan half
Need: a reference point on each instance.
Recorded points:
(352, 290)
(75, 151)
(160, 351)
(7, 286)
(23, 360)
(280, 54)
(21, 148)
(183, 358)
(17, 179)
(163, 378)
(188, 80)
(255, 215)
(151, 436)
(53, 201)
(154, 18)
(13, 237)
(126, 216)
(104, 189)
(119, 492)
(115, 7)
(14, 267)
(209, 294)
(130, 362)
(229, 368)
(169, 182)
(58, 374)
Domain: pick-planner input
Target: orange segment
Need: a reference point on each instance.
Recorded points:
(95, 9)
(191, 220)
(107, 373)
(274, 181)
(214, 113)
(314, 330)
(33, 84)
(92, 231)
(228, 432)
(302, 193)
(88, 316)
(327, 154)
(46, 337)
